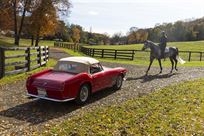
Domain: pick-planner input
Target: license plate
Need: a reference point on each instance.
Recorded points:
(41, 92)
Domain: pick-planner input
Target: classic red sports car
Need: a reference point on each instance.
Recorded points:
(74, 78)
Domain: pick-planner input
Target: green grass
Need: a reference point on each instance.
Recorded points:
(174, 110)
(7, 41)
(137, 61)
(144, 56)
(23, 76)
(185, 46)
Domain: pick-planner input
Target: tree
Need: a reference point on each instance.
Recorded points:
(22, 8)
(115, 39)
(62, 31)
(137, 35)
(43, 20)
(75, 35)
(44, 17)
(5, 16)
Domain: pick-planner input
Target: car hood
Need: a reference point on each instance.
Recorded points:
(52, 79)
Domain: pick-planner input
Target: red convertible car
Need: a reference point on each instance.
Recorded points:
(74, 78)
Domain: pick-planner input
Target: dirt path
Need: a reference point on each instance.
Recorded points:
(22, 116)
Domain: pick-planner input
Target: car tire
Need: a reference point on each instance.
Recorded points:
(83, 94)
(118, 82)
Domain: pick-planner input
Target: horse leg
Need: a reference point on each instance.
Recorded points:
(176, 61)
(151, 60)
(159, 60)
(172, 65)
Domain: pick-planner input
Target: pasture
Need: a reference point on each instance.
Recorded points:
(183, 46)
(143, 60)
(197, 46)
(7, 41)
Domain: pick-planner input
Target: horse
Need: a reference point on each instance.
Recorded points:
(155, 53)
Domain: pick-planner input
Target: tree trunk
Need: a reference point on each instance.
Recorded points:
(15, 24)
(18, 33)
(22, 20)
(37, 39)
(32, 40)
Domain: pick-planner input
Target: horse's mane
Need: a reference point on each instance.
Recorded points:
(152, 42)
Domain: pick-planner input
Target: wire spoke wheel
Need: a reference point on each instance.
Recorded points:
(119, 82)
(84, 93)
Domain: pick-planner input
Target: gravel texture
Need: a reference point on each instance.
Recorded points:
(20, 115)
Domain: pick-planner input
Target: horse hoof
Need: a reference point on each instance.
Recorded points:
(171, 71)
(160, 72)
(176, 69)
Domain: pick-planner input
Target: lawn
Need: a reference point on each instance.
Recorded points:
(139, 61)
(7, 41)
(184, 46)
(174, 110)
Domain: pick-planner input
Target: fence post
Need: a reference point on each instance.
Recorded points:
(93, 52)
(47, 53)
(201, 55)
(189, 56)
(89, 52)
(27, 52)
(115, 54)
(2, 62)
(39, 55)
(75, 47)
(133, 53)
(102, 54)
(78, 47)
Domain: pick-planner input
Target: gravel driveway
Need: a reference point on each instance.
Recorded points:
(22, 116)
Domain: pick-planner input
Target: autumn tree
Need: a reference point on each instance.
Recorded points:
(75, 35)
(44, 17)
(43, 20)
(22, 8)
(5, 15)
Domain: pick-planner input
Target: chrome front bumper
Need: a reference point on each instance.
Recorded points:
(50, 99)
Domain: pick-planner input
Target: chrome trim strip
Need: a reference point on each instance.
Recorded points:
(46, 98)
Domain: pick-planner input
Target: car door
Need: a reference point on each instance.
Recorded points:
(98, 81)
(98, 77)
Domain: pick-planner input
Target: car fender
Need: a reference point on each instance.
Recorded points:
(73, 85)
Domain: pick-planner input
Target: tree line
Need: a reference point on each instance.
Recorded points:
(189, 30)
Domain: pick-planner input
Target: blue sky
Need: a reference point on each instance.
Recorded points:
(111, 16)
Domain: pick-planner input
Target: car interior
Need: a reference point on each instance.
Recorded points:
(95, 68)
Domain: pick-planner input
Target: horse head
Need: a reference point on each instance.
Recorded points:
(146, 45)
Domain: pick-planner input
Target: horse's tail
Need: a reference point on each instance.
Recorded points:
(180, 60)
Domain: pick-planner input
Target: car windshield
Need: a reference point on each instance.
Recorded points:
(71, 67)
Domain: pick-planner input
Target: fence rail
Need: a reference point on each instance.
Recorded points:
(109, 53)
(23, 59)
(74, 47)
(128, 54)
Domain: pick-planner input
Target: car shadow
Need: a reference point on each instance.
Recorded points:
(148, 78)
(39, 111)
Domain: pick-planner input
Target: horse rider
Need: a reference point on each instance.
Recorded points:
(163, 43)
